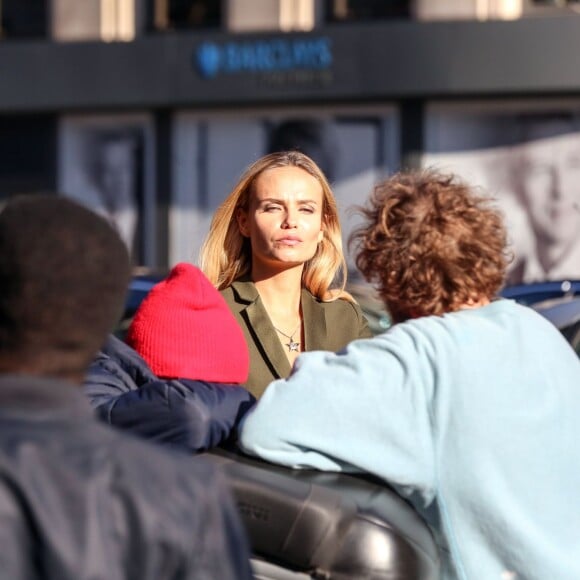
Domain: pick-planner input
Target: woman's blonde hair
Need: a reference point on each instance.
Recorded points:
(226, 255)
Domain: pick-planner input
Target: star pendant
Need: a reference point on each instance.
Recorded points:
(292, 346)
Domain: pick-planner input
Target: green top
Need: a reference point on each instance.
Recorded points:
(327, 326)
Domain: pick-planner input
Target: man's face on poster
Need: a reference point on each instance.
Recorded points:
(550, 186)
(117, 173)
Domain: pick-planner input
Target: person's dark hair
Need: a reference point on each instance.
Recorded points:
(63, 278)
(430, 244)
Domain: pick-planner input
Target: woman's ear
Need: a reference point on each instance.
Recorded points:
(242, 219)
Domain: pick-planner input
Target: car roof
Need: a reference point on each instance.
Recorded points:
(561, 312)
(540, 291)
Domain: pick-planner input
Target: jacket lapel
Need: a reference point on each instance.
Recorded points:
(255, 316)
(315, 333)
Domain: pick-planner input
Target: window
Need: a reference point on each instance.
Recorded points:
(365, 10)
(23, 18)
(27, 144)
(184, 14)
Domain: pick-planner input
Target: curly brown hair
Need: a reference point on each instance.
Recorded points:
(430, 244)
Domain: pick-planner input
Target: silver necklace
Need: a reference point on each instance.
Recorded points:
(292, 345)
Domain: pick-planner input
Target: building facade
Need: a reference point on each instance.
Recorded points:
(149, 110)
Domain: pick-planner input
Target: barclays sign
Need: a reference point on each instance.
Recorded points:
(263, 56)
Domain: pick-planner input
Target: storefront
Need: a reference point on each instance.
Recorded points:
(168, 122)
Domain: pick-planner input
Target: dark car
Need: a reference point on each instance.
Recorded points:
(564, 313)
(538, 295)
(535, 292)
(558, 301)
(139, 287)
(141, 284)
(306, 524)
(311, 524)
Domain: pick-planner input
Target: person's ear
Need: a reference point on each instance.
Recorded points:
(321, 232)
(242, 219)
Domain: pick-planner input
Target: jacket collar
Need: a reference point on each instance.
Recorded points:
(32, 394)
(245, 291)
(313, 314)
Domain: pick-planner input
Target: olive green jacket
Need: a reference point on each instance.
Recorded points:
(327, 326)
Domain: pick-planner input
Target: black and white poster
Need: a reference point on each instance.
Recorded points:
(528, 158)
(106, 163)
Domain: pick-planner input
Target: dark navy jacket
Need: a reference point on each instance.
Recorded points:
(82, 501)
(189, 415)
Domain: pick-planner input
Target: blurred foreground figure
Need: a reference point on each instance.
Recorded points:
(469, 405)
(79, 500)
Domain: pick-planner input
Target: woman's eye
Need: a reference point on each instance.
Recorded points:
(272, 208)
(307, 209)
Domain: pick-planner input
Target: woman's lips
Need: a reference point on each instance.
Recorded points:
(289, 241)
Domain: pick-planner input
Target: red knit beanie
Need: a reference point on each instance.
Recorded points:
(184, 329)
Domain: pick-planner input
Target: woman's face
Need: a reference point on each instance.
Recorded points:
(283, 220)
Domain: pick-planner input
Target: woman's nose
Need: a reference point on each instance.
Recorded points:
(290, 220)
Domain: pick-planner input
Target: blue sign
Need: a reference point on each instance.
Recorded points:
(213, 59)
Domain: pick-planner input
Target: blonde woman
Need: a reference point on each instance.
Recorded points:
(275, 252)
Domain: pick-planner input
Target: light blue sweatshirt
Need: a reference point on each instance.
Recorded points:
(475, 416)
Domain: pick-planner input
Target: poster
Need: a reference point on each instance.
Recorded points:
(106, 163)
(528, 159)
